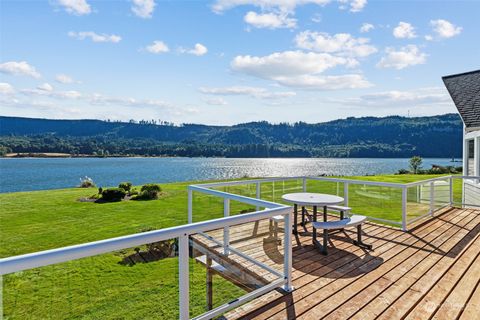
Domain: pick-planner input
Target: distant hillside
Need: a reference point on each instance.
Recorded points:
(436, 136)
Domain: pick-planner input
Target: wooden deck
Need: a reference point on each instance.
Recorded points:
(431, 272)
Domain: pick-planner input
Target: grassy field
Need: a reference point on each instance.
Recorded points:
(102, 288)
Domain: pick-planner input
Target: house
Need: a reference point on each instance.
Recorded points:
(464, 89)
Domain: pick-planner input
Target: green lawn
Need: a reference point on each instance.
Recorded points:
(101, 288)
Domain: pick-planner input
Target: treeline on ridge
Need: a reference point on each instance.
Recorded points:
(435, 136)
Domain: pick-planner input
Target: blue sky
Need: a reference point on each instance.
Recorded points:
(233, 61)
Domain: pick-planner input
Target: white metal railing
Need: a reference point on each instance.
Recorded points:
(182, 233)
(271, 208)
(403, 190)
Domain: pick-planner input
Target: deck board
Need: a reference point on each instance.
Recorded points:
(432, 271)
(473, 305)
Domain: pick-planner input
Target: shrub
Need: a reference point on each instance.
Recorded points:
(125, 186)
(151, 187)
(148, 192)
(113, 194)
(146, 195)
(86, 182)
(403, 171)
(95, 196)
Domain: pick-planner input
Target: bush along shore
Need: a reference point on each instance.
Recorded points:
(124, 192)
(416, 168)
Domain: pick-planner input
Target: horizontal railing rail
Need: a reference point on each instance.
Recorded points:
(64, 254)
(362, 182)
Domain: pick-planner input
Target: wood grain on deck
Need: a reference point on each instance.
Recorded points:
(431, 272)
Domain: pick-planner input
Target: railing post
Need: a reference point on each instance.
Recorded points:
(288, 255)
(432, 197)
(345, 194)
(451, 191)
(258, 194)
(190, 203)
(304, 184)
(404, 208)
(183, 277)
(226, 230)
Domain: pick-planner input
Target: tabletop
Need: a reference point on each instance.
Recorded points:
(312, 199)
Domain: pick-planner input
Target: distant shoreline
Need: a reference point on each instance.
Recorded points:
(16, 155)
(49, 155)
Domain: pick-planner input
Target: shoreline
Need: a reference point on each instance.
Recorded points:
(52, 155)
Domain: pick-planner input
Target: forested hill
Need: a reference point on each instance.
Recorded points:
(436, 136)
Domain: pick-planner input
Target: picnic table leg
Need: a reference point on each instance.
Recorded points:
(314, 220)
(295, 214)
(359, 241)
(303, 217)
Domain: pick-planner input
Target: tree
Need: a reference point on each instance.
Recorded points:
(415, 163)
(4, 151)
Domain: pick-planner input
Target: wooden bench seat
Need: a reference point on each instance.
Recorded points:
(340, 224)
(353, 221)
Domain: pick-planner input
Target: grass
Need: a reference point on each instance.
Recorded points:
(100, 287)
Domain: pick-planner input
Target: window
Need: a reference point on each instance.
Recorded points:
(470, 158)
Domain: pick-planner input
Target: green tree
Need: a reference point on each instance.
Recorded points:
(4, 151)
(415, 163)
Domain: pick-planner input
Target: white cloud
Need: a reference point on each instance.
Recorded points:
(404, 57)
(366, 27)
(198, 50)
(59, 104)
(284, 5)
(320, 82)
(6, 88)
(215, 101)
(428, 37)
(445, 29)
(71, 94)
(317, 18)
(278, 13)
(300, 69)
(95, 98)
(77, 7)
(157, 47)
(341, 43)
(255, 92)
(143, 8)
(95, 37)
(19, 68)
(99, 99)
(270, 20)
(404, 30)
(45, 87)
(354, 5)
(433, 96)
(287, 63)
(63, 78)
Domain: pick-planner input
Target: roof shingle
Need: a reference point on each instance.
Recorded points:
(464, 89)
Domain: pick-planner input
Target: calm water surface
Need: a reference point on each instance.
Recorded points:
(39, 174)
